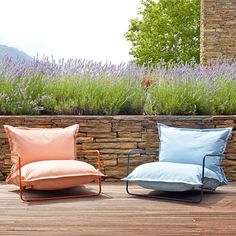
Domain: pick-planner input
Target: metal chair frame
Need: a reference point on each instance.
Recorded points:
(140, 151)
(59, 197)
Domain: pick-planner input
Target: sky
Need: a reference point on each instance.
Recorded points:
(90, 29)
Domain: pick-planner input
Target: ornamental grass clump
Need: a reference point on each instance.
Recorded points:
(83, 87)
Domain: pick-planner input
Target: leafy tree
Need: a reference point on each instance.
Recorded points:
(166, 30)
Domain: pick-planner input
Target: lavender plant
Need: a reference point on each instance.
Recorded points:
(191, 89)
(79, 86)
(69, 87)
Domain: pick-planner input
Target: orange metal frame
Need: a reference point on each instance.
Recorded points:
(61, 197)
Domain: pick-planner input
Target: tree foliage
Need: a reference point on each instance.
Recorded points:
(166, 30)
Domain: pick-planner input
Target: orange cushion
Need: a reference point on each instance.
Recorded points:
(55, 174)
(38, 144)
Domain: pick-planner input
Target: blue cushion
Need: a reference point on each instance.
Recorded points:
(189, 146)
(167, 176)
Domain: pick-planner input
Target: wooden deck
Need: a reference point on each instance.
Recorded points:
(116, 213)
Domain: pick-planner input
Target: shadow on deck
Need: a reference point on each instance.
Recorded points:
(116, 213)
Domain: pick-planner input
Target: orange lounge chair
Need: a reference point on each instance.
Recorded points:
(45, 159)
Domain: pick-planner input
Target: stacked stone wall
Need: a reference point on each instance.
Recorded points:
(218, 30)
(115, 135)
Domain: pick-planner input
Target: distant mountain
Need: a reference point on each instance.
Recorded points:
(14, 53)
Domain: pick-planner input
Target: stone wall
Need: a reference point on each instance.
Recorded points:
(218, 30)
(114, 135)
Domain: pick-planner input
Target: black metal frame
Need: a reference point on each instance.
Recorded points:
(140, 151)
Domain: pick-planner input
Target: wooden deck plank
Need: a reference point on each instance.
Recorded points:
(116, 213)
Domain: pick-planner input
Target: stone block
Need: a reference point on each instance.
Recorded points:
(95, 129)
(129, 134)
(85, 139)
(102, 135)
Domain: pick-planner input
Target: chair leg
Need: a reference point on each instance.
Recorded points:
(163, 197)
(22, 197)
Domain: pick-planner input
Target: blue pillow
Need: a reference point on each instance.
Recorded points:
(167, 176)
(189, 146)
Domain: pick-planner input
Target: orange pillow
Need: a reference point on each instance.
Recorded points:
(38, 144)
(55, 174)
